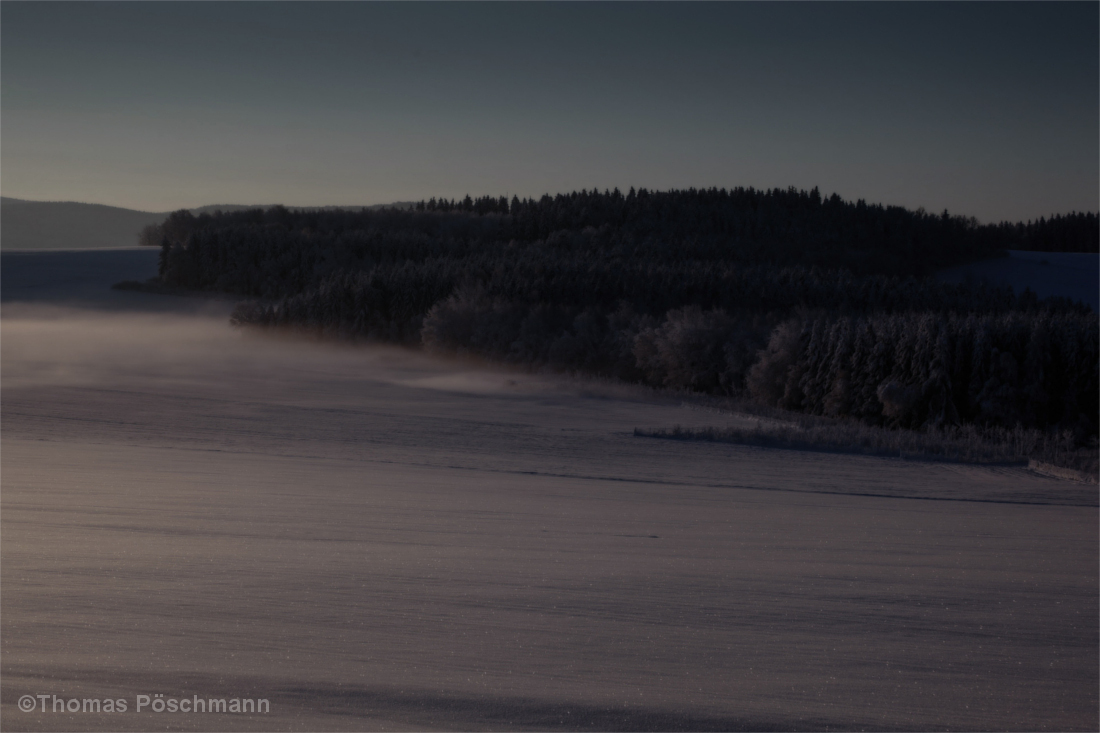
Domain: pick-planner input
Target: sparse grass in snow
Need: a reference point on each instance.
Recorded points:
(964, 444)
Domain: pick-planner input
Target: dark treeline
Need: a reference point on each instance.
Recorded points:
(1060, 233)
(808, 303)
(910, 370)
(742, 225)
(1074, 232)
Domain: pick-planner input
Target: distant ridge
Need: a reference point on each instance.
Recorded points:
(69, 225)
(237, 207)
(73, 225)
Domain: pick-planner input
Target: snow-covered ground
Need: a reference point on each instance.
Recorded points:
(374, 539)
(1073, 275)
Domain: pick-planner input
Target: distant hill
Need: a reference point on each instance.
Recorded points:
(71, 225)
(68, 225)
(237, 207)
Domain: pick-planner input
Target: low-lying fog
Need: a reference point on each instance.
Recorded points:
(370, 537)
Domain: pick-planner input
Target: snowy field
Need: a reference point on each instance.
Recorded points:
(1074, 275)
(373, 539)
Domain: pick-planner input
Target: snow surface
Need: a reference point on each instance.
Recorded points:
(372, 538)
(1073, 275)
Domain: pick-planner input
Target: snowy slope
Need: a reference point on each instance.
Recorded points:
(374, 539)
(1073, 275)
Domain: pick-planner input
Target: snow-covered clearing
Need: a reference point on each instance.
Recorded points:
(1073, 275)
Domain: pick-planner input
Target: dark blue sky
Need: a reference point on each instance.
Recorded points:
(987, 109)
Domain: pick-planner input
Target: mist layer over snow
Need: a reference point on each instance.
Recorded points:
(371, 538)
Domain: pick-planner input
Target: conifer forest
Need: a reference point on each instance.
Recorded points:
(802, 302)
